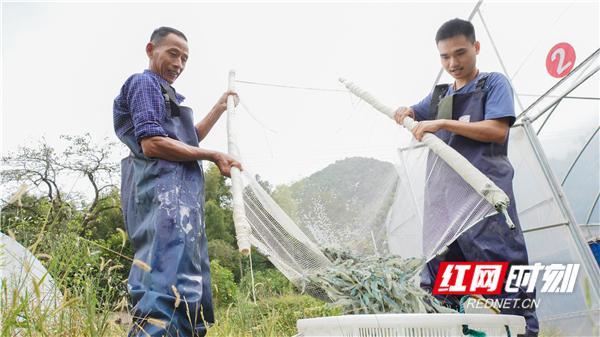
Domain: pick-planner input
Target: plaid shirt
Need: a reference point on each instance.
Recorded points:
(140, 107)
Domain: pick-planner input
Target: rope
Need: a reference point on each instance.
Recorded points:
(286, 86)
(252, 277)
(261, 123)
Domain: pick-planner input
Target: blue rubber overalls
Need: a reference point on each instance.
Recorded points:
(490, 239)
(163, 206)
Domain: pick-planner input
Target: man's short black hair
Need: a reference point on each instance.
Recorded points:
(159, 33)
(454, 28)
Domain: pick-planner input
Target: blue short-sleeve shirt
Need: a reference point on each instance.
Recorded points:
(499, 101)
(140, 108)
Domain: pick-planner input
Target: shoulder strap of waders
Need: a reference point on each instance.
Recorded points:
(438, 93)
(170, 100)
(481, 82)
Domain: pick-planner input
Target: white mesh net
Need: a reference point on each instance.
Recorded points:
(276, 235)
(438, 207)
(325, 174)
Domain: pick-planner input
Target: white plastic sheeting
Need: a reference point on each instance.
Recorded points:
(552, 237)
(21, 271)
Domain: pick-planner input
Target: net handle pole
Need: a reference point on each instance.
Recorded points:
(242, 226)
(480, 182)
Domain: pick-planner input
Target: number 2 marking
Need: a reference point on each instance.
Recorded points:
(561, 67)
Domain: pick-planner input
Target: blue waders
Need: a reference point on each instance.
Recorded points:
(490, 239)
(163, 206)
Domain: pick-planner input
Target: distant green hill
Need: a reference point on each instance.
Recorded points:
(342, 204)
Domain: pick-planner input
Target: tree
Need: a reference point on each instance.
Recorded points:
(92, 161)
(79, 238)
(284, 196)
(40, 166)
(218, 216)
(264, 184)
(215, 187)
(36, 165)
(218, 221)
(227, 256)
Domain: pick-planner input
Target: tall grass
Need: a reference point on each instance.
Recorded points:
(77, 314)
(272, 316)
(93, 301)
(84, 314)
(81, 308)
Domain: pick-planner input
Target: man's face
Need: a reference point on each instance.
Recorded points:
(458, 56)
(168, 58)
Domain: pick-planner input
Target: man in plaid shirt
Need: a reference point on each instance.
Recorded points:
(162, 193)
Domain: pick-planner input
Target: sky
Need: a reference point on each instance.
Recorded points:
(64, 63)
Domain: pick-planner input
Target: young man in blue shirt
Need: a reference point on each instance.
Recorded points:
(162, 194)
(473, 115)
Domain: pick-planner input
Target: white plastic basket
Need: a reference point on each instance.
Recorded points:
(413, 325)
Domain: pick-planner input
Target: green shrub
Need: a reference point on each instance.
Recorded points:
(227, 255)
(224, 288)
(259, 262)
(267, 283)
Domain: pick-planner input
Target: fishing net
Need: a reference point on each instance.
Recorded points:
(438, 207)
(328, 172)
